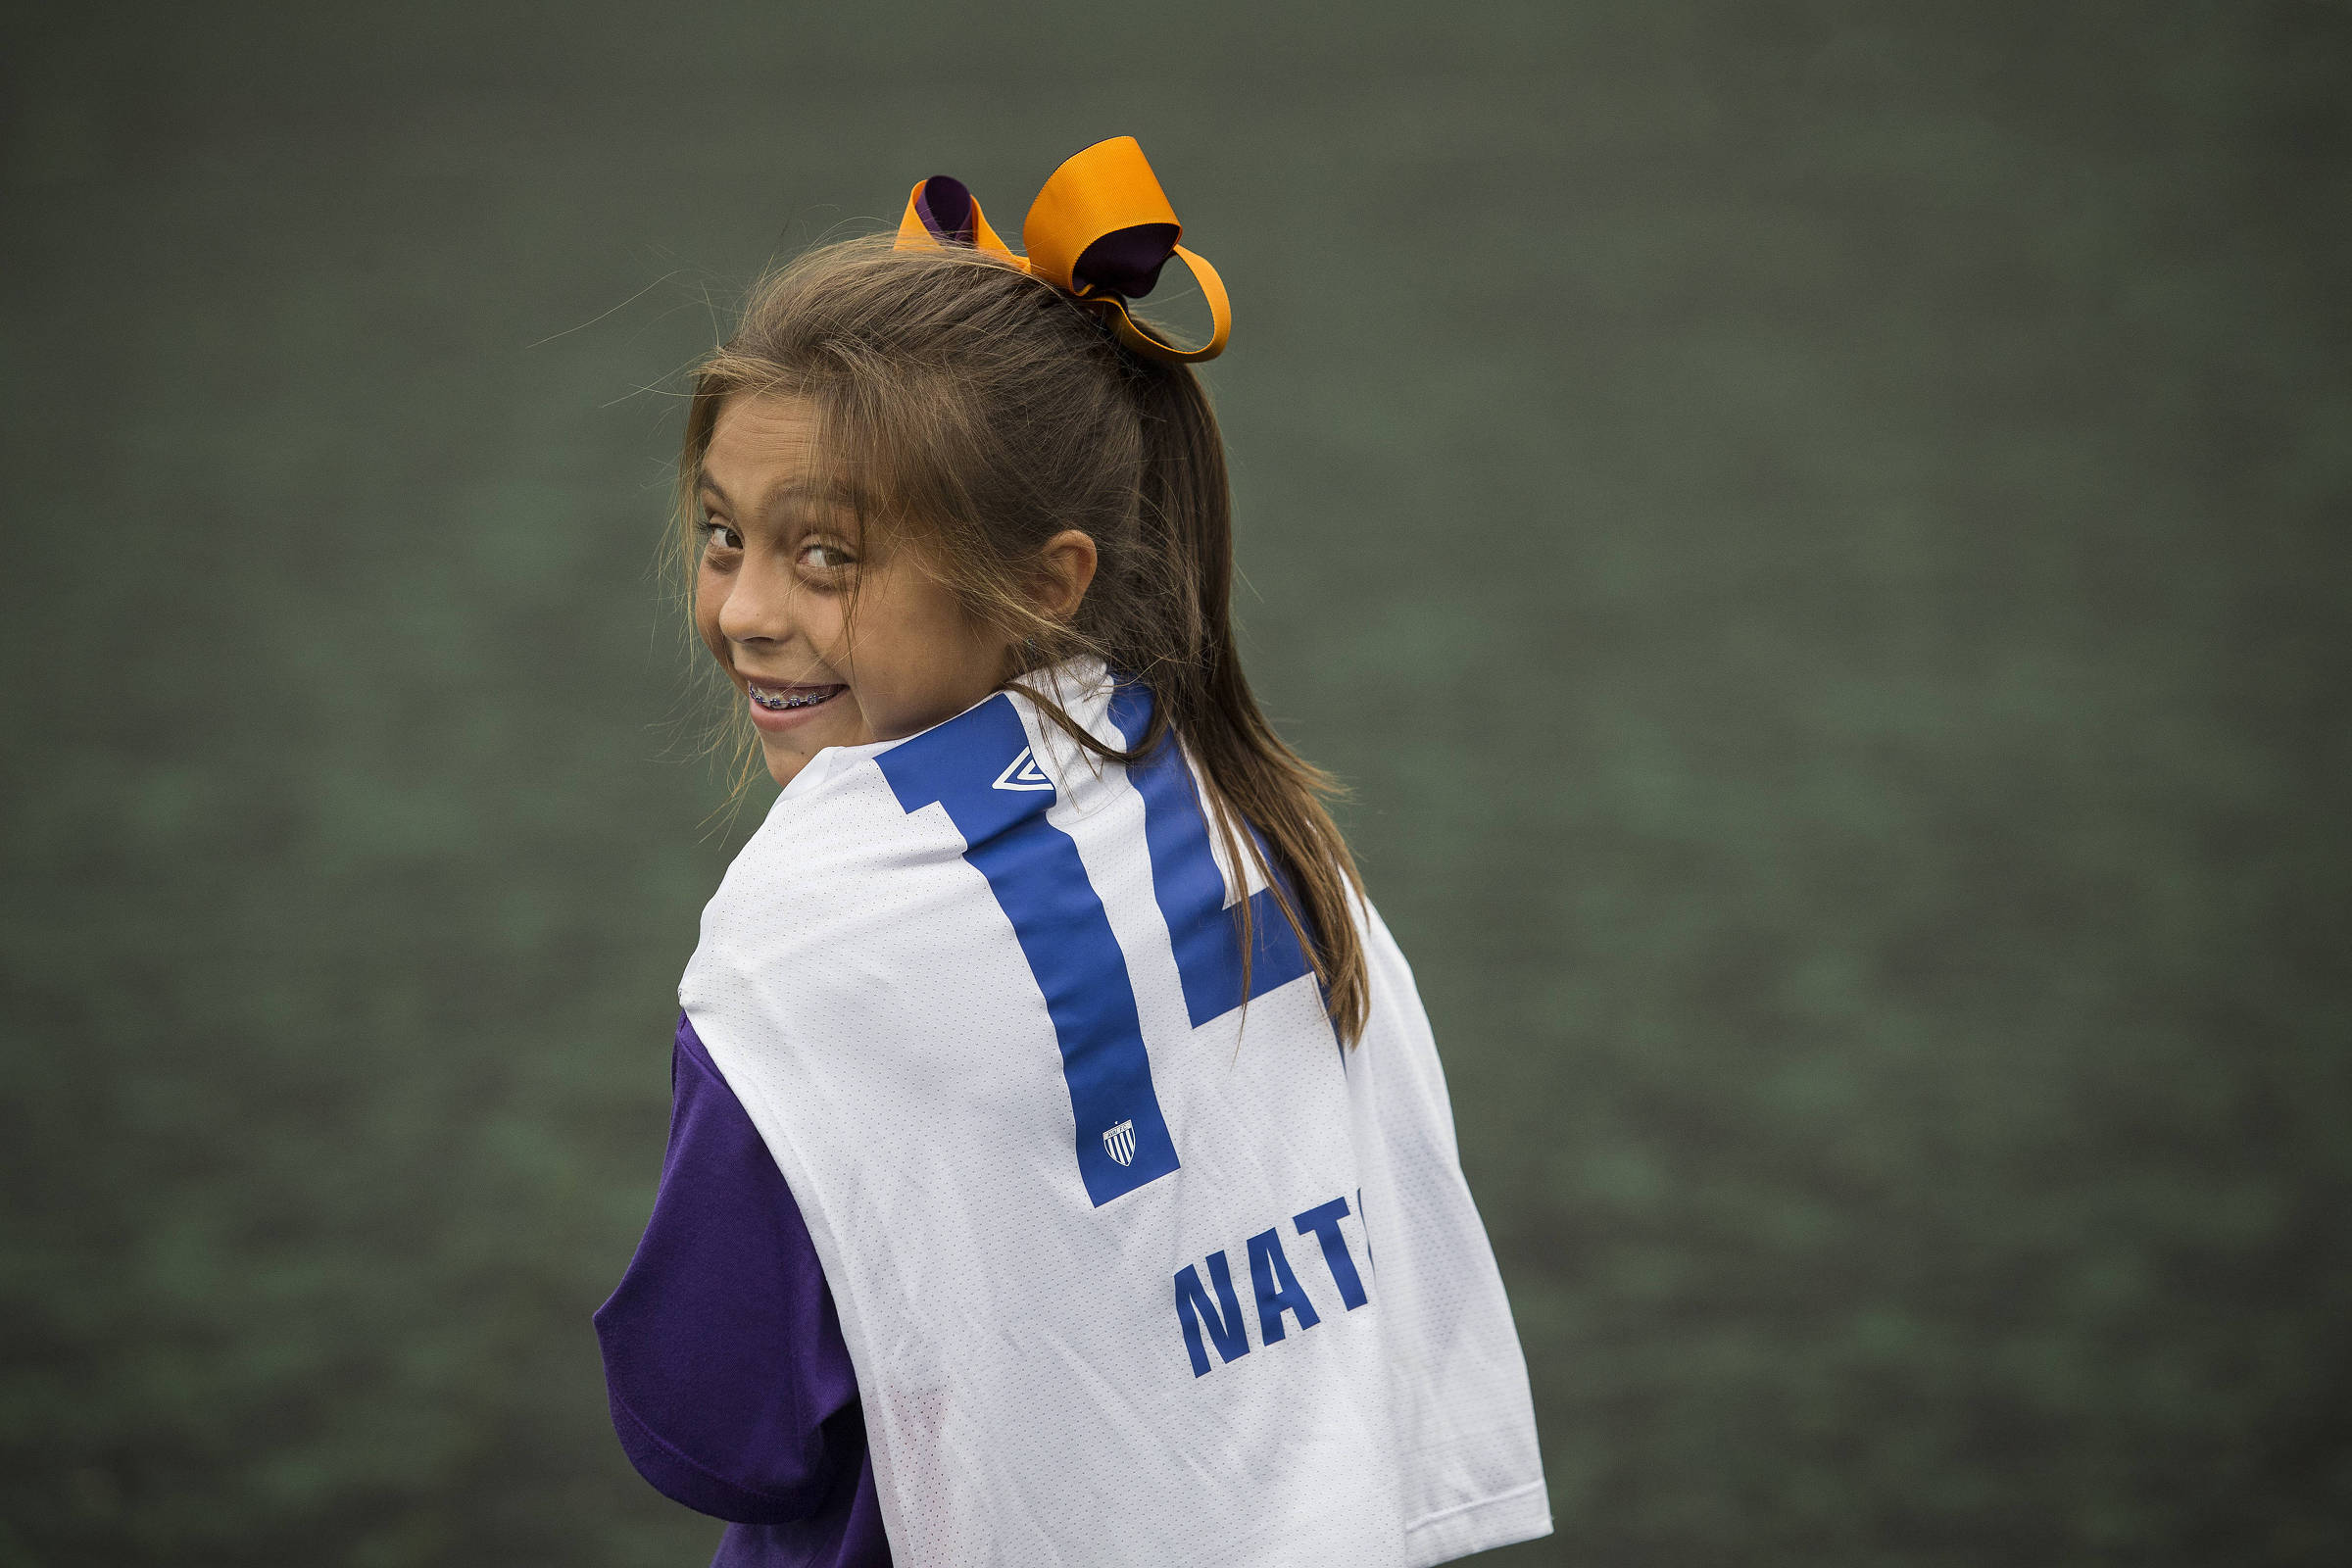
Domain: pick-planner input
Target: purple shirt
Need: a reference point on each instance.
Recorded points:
(730, 1385)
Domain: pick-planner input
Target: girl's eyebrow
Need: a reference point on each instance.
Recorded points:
(834, 492)
(825, 492)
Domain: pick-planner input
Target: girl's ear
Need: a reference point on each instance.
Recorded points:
(1065, 567)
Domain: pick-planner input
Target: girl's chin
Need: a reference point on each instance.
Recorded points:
(786, 758)
(788, 753)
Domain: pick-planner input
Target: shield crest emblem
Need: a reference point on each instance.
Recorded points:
(1119, 1143)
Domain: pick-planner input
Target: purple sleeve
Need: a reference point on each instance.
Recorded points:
(730, 1385)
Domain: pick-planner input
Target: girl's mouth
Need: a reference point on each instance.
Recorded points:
(777, 700)
(779, 706)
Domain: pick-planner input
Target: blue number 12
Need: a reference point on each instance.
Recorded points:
(970, 766)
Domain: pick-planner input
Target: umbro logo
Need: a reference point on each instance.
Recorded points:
(1022, 773)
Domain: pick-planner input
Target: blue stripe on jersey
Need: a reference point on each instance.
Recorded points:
(1190, 889)
(1032, 869)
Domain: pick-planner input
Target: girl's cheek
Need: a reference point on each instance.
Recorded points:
(828, 633)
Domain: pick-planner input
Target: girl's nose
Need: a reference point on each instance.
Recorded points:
(759, 607)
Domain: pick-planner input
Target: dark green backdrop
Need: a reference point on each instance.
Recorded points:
(1816, 531)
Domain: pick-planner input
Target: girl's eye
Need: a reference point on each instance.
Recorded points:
(825, 557)
(718, 536)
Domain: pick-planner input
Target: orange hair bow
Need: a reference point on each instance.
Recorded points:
(1099, 230)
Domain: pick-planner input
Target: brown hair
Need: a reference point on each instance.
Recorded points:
(989, 411)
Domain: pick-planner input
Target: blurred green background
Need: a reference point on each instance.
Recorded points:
(1817, 533)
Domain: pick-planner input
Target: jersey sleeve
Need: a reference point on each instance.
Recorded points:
(1473, 1471)
(730, 1387)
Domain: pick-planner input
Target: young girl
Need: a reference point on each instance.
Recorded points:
(1061, 1171)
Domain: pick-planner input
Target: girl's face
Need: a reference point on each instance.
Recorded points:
(781, 553)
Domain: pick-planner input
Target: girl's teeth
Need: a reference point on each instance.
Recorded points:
(782, 700)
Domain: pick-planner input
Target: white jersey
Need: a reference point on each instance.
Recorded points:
(1127, 1272)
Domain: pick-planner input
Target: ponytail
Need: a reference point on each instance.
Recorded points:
(1252, 774)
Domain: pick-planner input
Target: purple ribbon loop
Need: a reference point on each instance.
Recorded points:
(1125, 261)
(945, 205)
